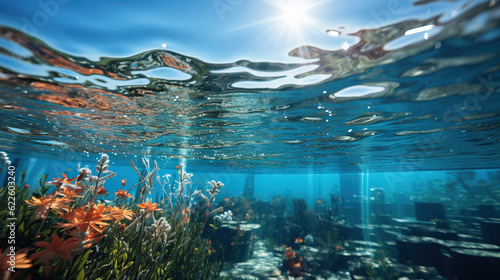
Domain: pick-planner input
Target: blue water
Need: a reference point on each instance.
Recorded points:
(362, 110)
(253, 86)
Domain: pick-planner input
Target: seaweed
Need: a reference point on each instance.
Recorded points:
(68, 233)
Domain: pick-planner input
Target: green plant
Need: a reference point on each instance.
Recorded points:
(127, 239)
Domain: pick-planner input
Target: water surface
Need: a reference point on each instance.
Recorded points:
(287, 85)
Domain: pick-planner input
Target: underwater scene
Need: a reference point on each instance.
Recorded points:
(238, 139)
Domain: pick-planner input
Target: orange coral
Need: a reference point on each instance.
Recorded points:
(289, 254)
(58, 247)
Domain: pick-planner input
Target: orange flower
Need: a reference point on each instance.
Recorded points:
(51, 202)
(299, 240)
(58, 247)
(124, 181)
(148, 206)
(21, 260)
(118, 213)
(123, 194)
(83, 220)
(70, 192)
(58, 182)
(45, 203)
(93, 235)
(86, 238)
(319, 201)
(185, 220)
(122, 227)
(66, 180)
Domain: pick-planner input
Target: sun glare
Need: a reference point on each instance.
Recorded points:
(294, 12)
(289, 23)
(293, 19)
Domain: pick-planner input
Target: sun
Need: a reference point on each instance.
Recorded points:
(292, 19)
(294, 13)
(287, 23)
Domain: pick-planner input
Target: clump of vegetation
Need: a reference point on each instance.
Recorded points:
(381, 267)
(65, 231)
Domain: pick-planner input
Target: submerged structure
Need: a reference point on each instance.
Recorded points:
(326, 140)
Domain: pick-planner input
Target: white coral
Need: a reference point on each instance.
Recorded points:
(159, 229)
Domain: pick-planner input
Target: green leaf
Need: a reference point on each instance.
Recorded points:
(129, 264)
(123, 257)
(81, 275)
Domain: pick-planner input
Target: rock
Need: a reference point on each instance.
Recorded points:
(241, 235)
(263, 265)
(403, 270)
(468, 264)
(426, 272)
(427, 211)
(490, 231)
(365, 244)
(360, 277)
(468, 212)
(430, 232)
(486, 211)
(426, 251)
